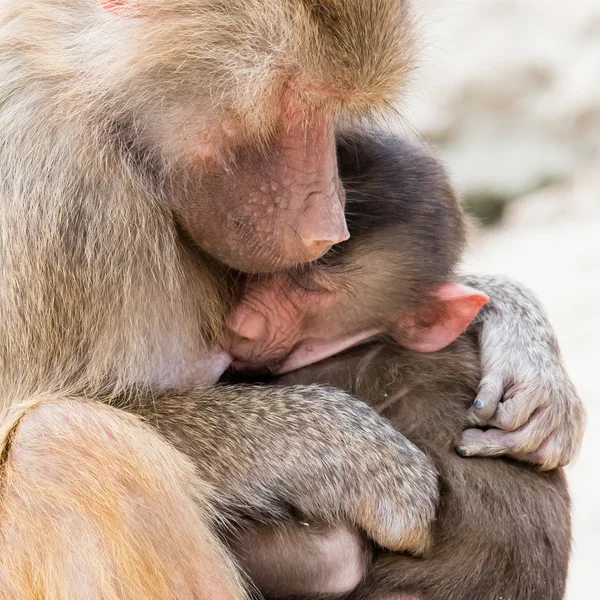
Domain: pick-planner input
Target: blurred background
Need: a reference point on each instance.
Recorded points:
(508, 96)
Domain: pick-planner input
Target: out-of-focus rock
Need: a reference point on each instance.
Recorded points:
(509, 91)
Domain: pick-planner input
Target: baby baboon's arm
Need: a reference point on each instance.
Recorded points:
(525, 395)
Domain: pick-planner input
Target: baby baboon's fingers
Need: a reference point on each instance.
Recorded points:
(496, 442)
(488, 397)
(514, 412)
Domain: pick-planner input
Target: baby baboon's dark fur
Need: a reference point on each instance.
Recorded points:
(503, 528)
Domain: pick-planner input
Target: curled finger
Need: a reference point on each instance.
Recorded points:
(515, 411)
(496, 442)
(558, 450)
(546, 456)
(488, 397)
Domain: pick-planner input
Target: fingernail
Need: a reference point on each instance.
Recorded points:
(478, 404)
(462, 450)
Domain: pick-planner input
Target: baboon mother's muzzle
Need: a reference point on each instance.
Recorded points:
(277, 208)
(317, 198)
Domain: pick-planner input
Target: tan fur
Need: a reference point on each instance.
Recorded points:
(95, 276)
(96, 505)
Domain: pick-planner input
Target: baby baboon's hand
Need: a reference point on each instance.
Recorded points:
(313, 449)
(525, 395)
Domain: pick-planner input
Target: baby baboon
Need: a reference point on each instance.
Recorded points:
(407, 234)
(502, 528)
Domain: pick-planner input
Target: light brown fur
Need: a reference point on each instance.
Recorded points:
(97, 278)
(82, 486)
(109, 125)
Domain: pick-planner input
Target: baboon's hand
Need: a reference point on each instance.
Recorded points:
(525, 395)
(314, 449)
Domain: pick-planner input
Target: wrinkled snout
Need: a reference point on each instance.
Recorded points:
(316, 196)
(268, 322)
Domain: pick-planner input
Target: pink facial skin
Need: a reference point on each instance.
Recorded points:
(277, 208)
(259, 198)
(284, 327)
(272, 318)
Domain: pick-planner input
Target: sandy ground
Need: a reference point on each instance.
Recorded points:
(551, 242)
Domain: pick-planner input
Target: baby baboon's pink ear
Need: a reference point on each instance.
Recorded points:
(455, 307)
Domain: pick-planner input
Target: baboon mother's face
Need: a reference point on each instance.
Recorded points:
(269, 204)
(241, 100)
